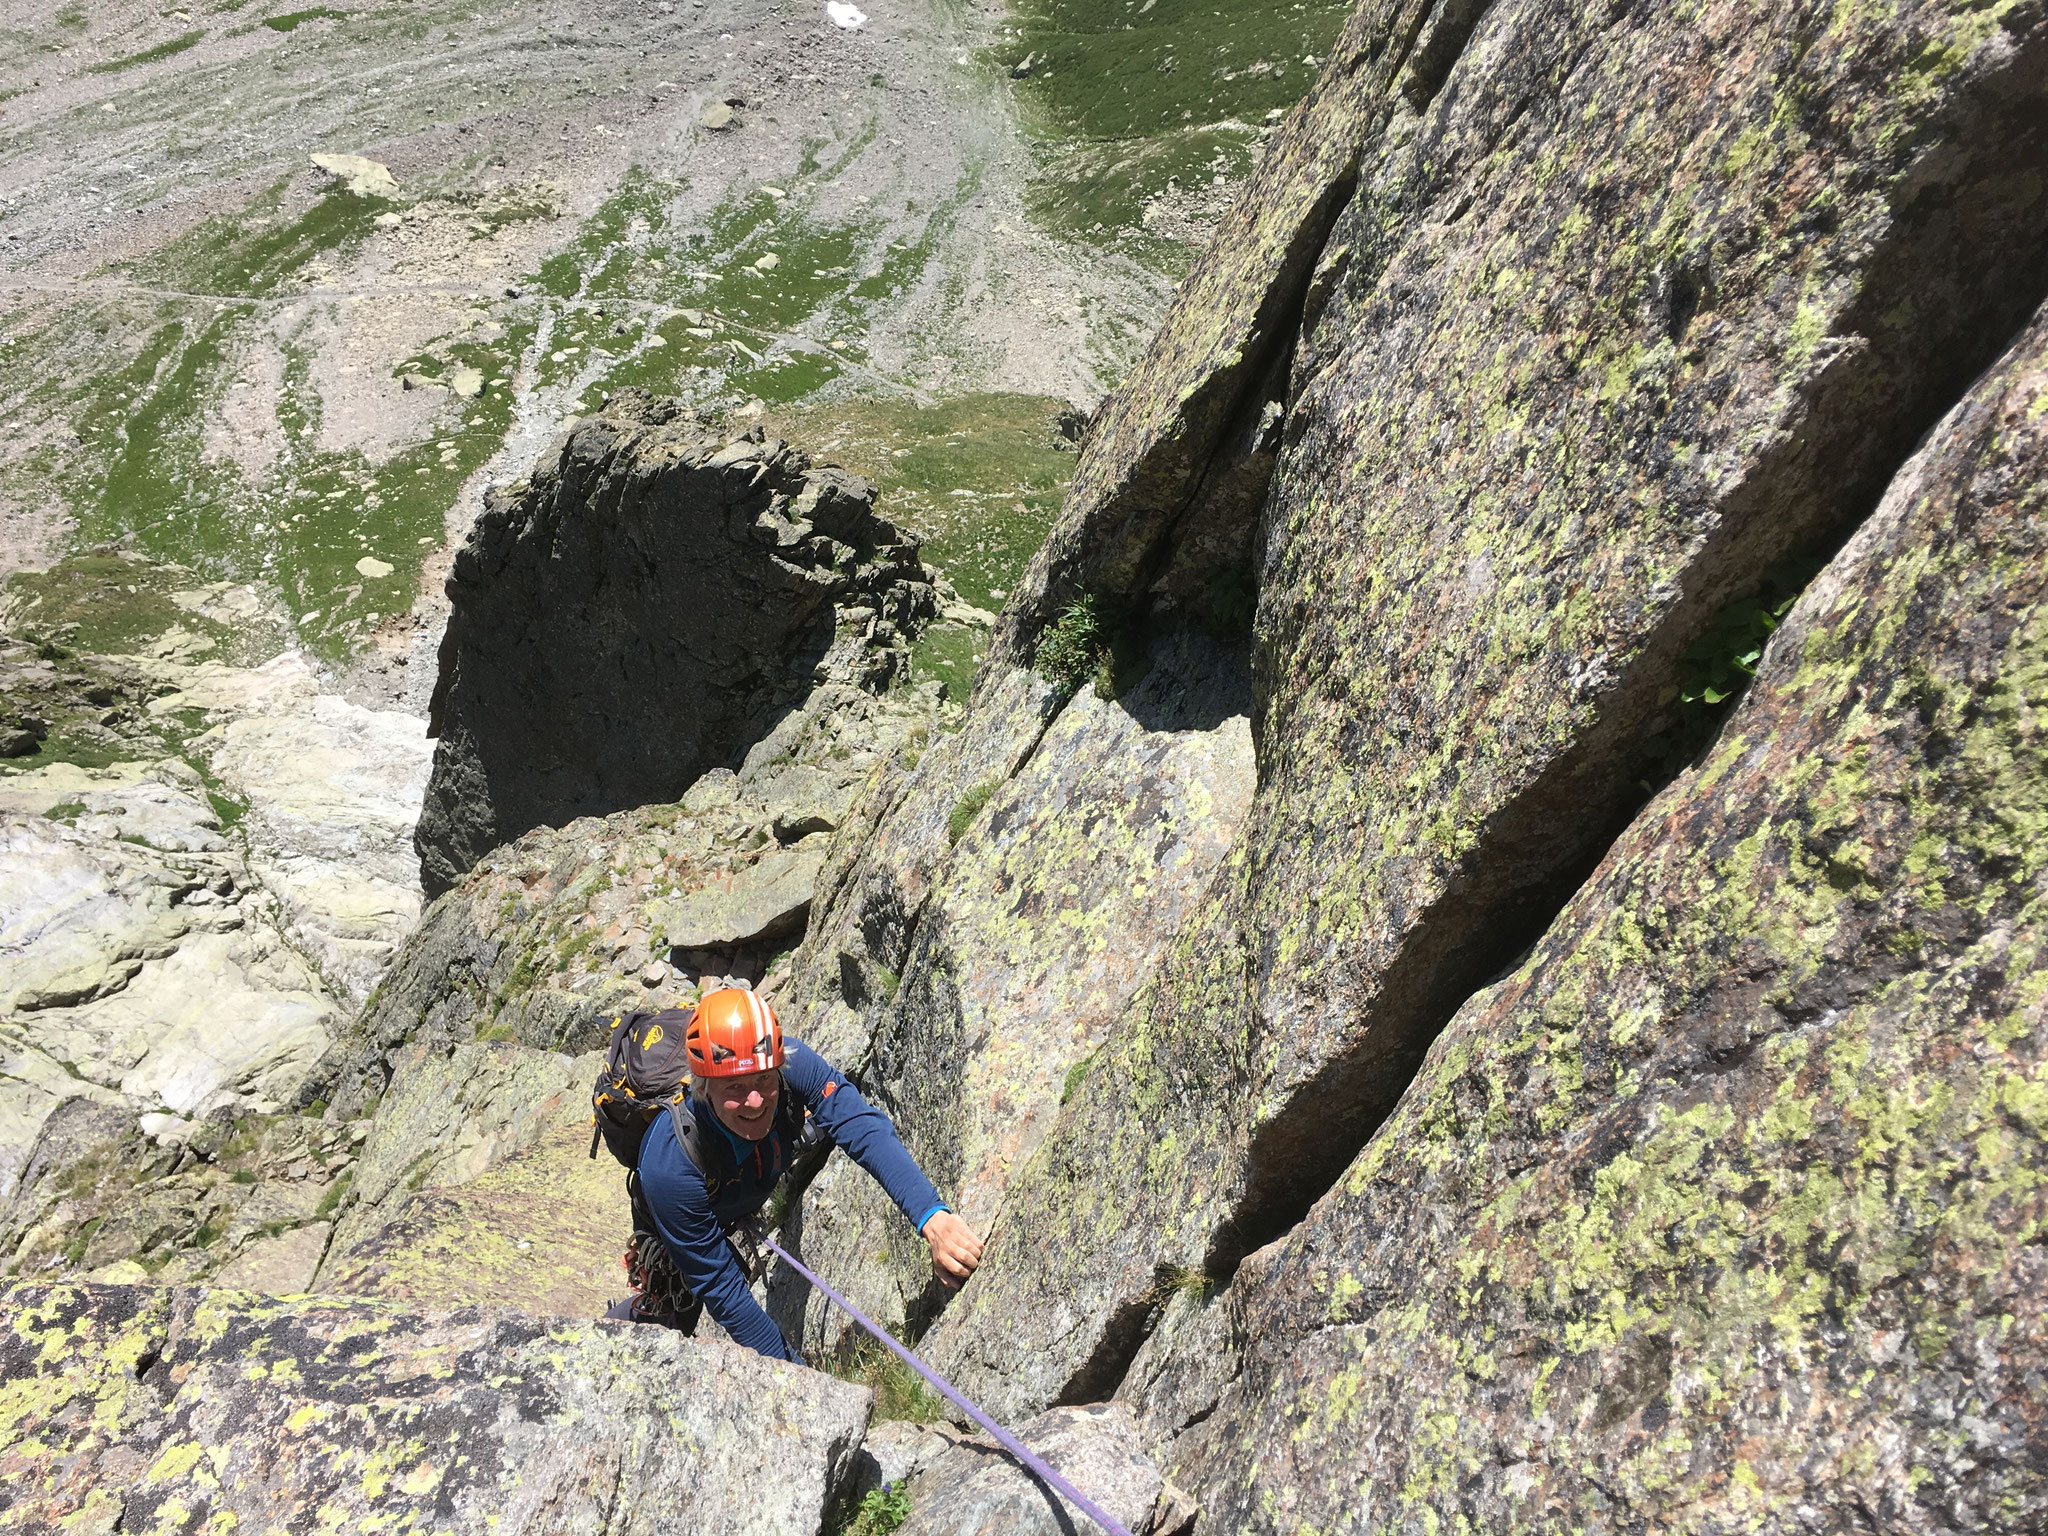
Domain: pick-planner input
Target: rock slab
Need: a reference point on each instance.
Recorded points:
(131, 1408)
(1726, 1207)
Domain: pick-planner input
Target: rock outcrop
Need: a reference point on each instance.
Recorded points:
(551, 934)
(975, 1486)
(147, 1408)
(642, 610)
(1726, 1206)
(1066, 874)
(1595, 342)
(181, 940)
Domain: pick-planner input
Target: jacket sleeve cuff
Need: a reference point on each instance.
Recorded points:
(928, 1215)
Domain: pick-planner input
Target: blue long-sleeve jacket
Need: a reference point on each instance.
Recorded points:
(693, 1220)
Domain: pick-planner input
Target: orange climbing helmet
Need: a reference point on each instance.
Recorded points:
(732, 1033)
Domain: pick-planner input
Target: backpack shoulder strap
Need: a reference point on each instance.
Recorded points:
(689, 1134)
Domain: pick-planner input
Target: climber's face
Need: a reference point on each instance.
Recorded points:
(744, 1105)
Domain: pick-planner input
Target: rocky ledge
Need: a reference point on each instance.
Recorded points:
(140, 1409)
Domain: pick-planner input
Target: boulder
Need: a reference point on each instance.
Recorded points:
(1556, 404)
(769, 899)
(137, 1407)
(358, 174)
(976, 1488)
(1724, 1206)
(281, 1265)
(642, 609)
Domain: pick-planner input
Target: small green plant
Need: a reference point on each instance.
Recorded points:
(1719, 665)
(1074, 648)
(495, 1032)
(891, 982)
(207, 1235)
(74, 1251)
(331, 1201)
(70, 810)
(242, 1176)
(969, 806)
(1075, 1073)
(880, 1511)
(900, 1393)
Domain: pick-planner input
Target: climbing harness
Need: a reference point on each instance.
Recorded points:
(1004, 1438)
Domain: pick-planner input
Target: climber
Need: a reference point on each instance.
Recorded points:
(710, 1162)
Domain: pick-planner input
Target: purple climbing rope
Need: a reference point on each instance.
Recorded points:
(1004, 1438)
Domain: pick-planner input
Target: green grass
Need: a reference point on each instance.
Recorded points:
(330, 1202)
(293, 20)
(162, 50)
(900, 1393)
(879, 1513)
(256, 250)
(1075, 1074)
(1124, 96)
(1074, 648)
(967, 807)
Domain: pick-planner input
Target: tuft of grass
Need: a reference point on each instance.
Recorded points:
(880, 1511)
(162, 50)
(70, 810)
(1183, 1280)
(900, 1393)
(242, 1176)
(969, 806)
(1074, 648)
(74, 1251)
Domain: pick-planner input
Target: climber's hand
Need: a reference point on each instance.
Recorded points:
(955, 1248)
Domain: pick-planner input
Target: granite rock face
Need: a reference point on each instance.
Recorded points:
(146, 1408)
(642, 610)
(978, 1489)
(1726, 1207)
(1066, 881)
(1634, 303)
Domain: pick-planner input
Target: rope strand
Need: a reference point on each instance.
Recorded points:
(1004, 1438)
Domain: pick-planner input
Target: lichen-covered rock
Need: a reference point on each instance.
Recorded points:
(1068, 880)
(1725, 1210)
(102, 1190)
(979, 1489)
(769, 899)
(890, 855)
(144, 1409)
(476, 1188)
(1640, 300)
(640, 611)
(1165, 502)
